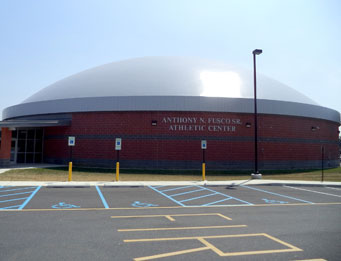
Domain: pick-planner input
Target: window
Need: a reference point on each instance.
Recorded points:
(29, 145)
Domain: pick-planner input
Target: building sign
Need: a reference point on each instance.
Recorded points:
(118, 144)
(71, 141)
(211, 124)
(204, 144)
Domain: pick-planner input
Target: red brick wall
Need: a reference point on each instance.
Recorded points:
(285, 142)
(5, 148)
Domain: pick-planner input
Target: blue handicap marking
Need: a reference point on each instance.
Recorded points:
(62, 205)
(139, 204)
(271, 201)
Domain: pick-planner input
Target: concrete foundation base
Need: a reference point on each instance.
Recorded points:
(4, 163)
(256, 176)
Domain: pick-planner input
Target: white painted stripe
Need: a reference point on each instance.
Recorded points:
(187, 192)
(277, 194)
(328, 194)
(183, 187)
(204, 196)
(16, 189)
(9, 195)
(212, 203)
(333, 188)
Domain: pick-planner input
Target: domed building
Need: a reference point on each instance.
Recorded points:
(162, 108)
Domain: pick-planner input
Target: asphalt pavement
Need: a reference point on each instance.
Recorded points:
(182, 221)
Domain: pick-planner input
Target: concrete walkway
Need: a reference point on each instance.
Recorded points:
(168, 183)
(29, 166)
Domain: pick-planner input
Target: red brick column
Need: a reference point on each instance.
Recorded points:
(5, 148)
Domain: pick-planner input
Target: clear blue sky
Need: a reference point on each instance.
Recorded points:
(44, 41)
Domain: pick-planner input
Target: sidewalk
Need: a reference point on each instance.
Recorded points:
(168, 183)
(29, 166)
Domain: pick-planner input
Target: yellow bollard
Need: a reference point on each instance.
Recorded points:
(203, 172)
(117, 171)
(70, 171)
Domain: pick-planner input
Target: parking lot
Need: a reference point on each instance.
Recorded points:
(171, 223)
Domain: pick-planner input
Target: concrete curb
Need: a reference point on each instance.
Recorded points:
(75, 184)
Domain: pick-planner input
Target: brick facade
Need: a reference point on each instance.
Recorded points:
(5, 147)
(285, 142)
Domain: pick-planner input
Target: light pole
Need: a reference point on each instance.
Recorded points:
(256, 174)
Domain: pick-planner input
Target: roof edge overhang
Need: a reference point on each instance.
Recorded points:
(170, 103)
(33, 123)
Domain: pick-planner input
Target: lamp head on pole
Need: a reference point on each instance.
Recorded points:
(257, 51)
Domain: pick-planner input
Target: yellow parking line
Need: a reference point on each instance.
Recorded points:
(260, 252)
(190, 238)
(172, 253)
(176, 228)
(282, 242)
(318, 259)
(225, 217)
(158, 239)
(209, 246)
(170, 217)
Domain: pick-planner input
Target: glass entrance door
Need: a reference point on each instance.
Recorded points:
(28, 145)
(14, 149)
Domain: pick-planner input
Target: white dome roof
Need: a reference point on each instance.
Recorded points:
(167, 76)
(168, 84)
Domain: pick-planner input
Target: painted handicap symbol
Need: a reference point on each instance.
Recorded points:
(62, 205)
(139, 204)
(271, 201)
